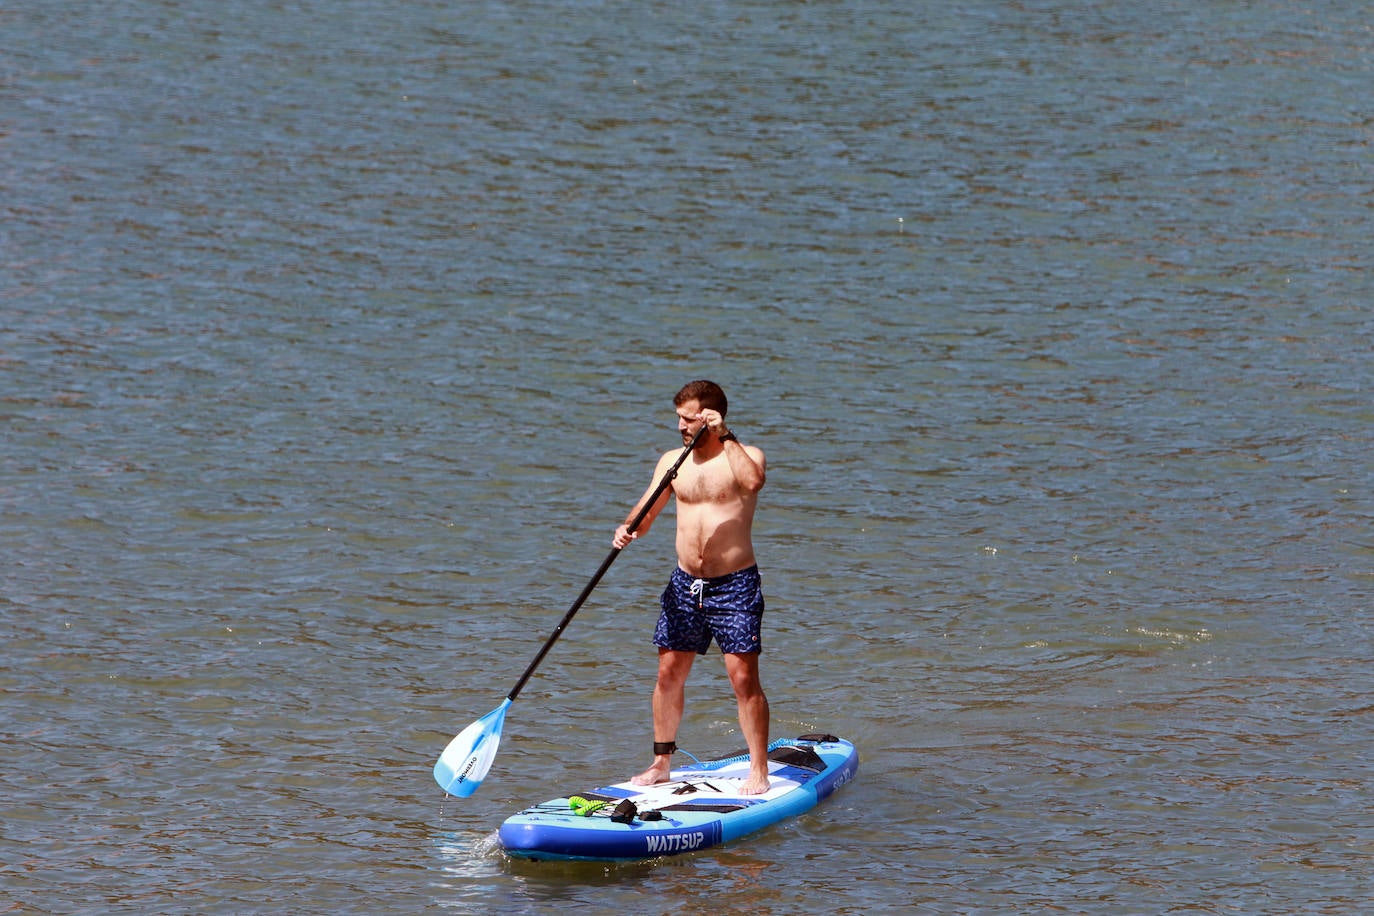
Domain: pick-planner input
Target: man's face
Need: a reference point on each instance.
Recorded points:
(687, 422)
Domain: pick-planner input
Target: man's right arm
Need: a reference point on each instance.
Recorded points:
(623, 536)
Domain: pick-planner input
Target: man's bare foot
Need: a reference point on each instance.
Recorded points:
(661, 771)
(756, 784)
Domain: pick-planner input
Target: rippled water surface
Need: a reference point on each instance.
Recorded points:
(336, 338)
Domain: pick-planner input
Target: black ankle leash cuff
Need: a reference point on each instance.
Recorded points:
(665, 748)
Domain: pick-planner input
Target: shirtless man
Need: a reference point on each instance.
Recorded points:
(715, 592)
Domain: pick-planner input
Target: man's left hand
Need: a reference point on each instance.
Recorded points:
(714, 421)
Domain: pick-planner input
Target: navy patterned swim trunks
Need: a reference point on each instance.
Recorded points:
(727, 608)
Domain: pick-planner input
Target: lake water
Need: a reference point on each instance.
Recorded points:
(335, 339)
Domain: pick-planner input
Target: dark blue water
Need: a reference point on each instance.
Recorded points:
(336, 338)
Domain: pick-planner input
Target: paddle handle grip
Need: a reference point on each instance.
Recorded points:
(663, 484)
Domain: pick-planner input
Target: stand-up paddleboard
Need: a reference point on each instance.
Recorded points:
(699, 807)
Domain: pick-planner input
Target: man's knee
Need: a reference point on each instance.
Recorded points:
(744, 674)
(673, 667)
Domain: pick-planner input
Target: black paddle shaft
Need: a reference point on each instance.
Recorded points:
(605, 565)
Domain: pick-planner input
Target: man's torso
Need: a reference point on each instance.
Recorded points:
(715, 519)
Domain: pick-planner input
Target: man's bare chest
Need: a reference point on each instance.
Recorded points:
(702, 486)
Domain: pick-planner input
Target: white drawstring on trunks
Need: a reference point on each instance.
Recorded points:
(699, 590)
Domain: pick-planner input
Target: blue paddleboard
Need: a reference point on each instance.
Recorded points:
(699, 807)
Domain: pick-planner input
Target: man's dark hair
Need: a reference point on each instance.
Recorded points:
(707, 394)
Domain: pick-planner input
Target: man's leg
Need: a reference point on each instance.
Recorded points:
(669, 701)
(743, 669)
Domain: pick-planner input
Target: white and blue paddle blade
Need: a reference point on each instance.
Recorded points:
(465, 762)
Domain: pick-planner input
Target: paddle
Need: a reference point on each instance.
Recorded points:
(463, 765)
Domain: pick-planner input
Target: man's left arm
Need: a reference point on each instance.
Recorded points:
(747, 463)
